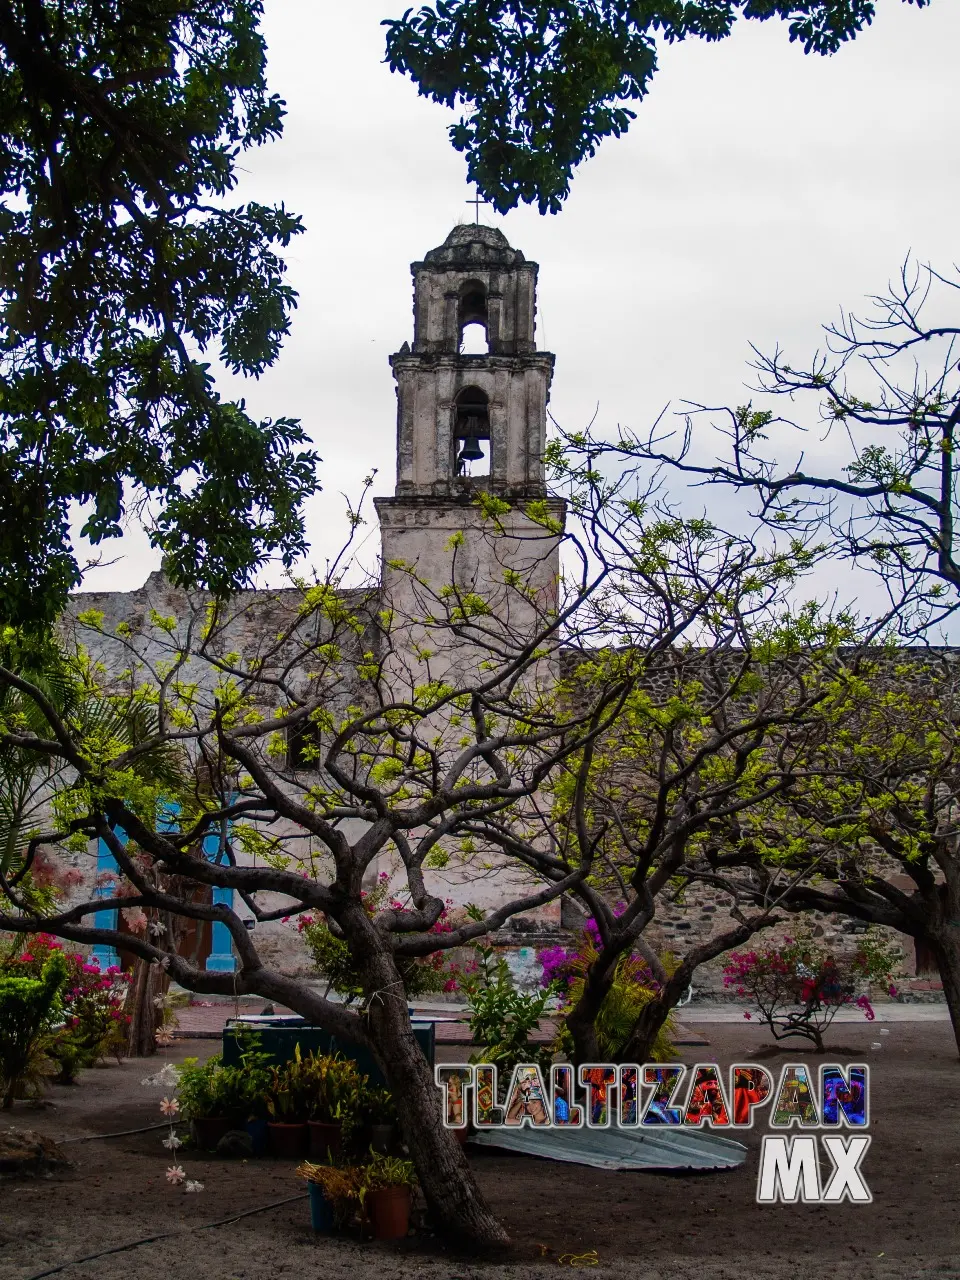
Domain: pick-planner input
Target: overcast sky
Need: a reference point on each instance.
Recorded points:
(758, 191)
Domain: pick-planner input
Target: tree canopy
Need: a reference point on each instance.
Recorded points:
(543, 82)
(290, 746)
(883, 393)
(121, 263)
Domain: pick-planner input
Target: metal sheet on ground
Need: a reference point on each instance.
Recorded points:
(668, 1148)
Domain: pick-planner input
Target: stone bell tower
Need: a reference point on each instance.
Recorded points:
(472, 423)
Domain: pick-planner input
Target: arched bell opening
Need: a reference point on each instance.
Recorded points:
(473, 335)
(472, 447)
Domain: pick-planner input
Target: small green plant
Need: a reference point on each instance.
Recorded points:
(209, 1089)
(28, 1007)
(386, 1171)
(376, 1105)
(322, 1087)
(502, 1019)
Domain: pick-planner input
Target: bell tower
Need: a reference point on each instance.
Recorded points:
(468, 421)
(472, 423)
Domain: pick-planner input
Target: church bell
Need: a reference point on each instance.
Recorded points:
(471, 451)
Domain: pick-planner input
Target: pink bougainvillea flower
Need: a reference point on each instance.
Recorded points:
(892, 991)
(748, 1015)
(863, 1003)
(175, 1175)
(169, 1106)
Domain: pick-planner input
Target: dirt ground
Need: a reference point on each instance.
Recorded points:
(642, 1226)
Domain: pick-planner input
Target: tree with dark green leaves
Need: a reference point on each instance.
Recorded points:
(122, 264)
(543, 82)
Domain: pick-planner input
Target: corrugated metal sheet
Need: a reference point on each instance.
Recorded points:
(660, 1147)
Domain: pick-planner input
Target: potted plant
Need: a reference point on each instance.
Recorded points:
(255, 1068)
(379, 1117)
(335, 1104)
(334, 1192)
(386, 1191)
(214, 1098)
(289, 1099)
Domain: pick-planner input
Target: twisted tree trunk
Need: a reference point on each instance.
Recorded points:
(148, 984)
(452, 1195)
(946, 947)
(653, 1015)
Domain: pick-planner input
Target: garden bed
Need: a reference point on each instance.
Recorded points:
(642, 1226)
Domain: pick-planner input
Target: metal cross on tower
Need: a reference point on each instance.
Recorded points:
(477, 201)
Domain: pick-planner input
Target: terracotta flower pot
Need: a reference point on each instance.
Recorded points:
(326, 1141)
(208, 1130)
(288, 1141)
(388, 1209)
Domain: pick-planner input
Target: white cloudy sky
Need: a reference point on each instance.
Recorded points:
(758, 190)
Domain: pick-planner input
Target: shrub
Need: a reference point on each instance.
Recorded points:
(322, 1087)
(377, 1105)
(209, 1089)
(92, 1007)
(502, 1019)
(28, 1007)
(633, 987)
(799, 987)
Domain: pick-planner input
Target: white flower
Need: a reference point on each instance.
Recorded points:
(169, 1106)
(194, 1186)
(157, 929)
(172, 1142)
(135, 919)
(175, 1175)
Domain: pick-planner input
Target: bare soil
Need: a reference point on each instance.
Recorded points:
(641, 1226)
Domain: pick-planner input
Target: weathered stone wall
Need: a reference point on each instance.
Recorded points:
(257, 620)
